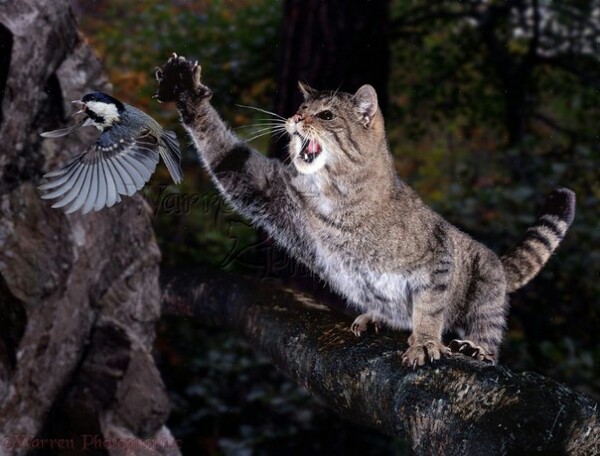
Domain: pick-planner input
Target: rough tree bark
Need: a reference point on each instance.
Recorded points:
(78, 295)
(456, 406)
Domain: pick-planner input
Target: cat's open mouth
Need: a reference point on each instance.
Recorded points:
(310, 151)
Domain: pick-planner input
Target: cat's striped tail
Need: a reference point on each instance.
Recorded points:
(524, 262)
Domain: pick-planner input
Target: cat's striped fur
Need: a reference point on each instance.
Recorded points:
(341, 210)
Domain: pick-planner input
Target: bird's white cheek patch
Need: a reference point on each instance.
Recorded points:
(106, 110)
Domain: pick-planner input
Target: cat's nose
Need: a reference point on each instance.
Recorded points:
(297, 118)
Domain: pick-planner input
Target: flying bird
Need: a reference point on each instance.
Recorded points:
(120, 162)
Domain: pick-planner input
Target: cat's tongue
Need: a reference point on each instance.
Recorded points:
(313, 147)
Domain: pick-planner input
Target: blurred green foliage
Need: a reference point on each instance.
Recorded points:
(449, 125)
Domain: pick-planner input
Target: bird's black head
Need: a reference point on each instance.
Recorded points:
(103, 98)
(103, 110)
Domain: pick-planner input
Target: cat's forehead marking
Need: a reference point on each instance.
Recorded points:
(329, 99)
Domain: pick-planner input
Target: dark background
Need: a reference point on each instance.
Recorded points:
(489, 105)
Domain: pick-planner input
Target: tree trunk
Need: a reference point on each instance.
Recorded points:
(457, 406)
(79, 295)
(331, 45)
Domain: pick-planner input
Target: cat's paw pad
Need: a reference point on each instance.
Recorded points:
(468, 348)
(179, 76)
(361, 324)
(418, 354)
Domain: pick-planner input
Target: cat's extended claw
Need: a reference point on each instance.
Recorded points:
(362, 322)
(419, 353)
(179, 80)
(468, 348)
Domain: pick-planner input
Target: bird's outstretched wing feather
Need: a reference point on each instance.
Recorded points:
(172, 155)
(107, 169)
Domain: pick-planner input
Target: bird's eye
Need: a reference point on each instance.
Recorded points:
(326, 115)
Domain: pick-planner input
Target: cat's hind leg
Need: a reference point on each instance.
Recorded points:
(485, 317)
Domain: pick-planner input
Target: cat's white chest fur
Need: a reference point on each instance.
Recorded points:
(387, 295)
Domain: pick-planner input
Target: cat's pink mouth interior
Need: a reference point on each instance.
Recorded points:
(310, 151)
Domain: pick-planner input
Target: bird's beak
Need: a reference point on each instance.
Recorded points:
(81, 106)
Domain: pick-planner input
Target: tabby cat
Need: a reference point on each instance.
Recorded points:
(340, 209)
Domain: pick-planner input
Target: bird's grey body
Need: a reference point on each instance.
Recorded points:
(340, 209)
(120, 162)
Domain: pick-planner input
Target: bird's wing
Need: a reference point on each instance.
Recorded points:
(66, 131)
(107, 169)
(172, 155)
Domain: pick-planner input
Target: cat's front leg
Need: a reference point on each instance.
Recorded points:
(425, 342)
(258, 187)
(255, 185)
(218, 148)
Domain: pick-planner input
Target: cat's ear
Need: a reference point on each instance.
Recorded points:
(366, 103)
(307, 91)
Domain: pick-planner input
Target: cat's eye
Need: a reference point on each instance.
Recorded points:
(326, 115)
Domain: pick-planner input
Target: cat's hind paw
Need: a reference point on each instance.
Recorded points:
(468, 348)
(180, 77)
(362, 322)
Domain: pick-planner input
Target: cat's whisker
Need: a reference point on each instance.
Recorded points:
(272, 121)
(336, 91)
(256, 126)
(269, 127)
(261, 110)
(303, 142)
(260, 133)
(259, 125)
(280, 134)
(255, 137)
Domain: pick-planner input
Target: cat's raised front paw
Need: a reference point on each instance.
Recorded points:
(468, 348)
(419, 353)
(180, 77)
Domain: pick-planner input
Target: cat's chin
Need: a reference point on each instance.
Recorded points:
(310, 155)
(310, 168)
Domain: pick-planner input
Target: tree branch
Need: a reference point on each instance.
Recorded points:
(455, 406)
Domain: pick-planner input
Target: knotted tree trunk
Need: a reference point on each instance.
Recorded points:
(79, 295)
